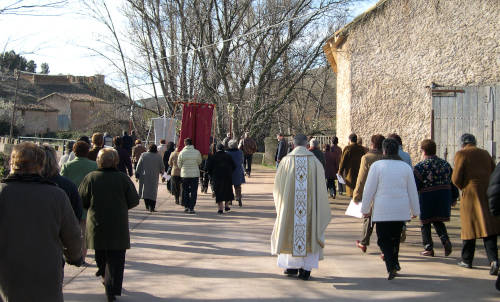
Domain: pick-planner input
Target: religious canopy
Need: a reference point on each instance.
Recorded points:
(197, 125)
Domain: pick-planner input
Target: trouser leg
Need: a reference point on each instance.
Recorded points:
(491, 247)
(425, 229)
(152, 204)
(468, 249)
(237, 192)
(194, 192)
(205, 181)
(396, 241)
(249, 163)
(83, 229)
(212, 186)
(388, 240)
(113, 278)
(100, 260)
(185, 192)
(441, 230)
(146, 203)
(367, 231)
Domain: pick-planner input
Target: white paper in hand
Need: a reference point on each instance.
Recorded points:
(354, 210)
(166, 176)
(340, 179)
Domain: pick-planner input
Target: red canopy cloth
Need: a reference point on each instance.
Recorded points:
(197, 125)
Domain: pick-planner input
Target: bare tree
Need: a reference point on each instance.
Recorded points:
(30, 7)
(252, 59)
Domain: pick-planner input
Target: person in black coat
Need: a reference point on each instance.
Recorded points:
(281, 150)
(127, 143)
(494, 201)
(221, 167)
(166, 157)
(314, 148)
(125, 163)
(205, 177)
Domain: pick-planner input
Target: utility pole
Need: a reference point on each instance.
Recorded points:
(13, 117)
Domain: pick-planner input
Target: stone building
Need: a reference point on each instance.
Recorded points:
(78, 111)
(49, 79)
(423, 69)
(38, 118)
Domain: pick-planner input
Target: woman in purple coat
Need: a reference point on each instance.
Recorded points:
(238, 173)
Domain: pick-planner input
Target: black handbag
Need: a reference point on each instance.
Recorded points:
(169, 171)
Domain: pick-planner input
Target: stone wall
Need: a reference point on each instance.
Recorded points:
(271, 143)
(37, 122)
(89, 114)
(58, 102)
(404, 45)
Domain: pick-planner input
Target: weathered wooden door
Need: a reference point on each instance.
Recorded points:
(459, 110)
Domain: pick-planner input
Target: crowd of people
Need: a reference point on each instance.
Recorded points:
(82, 201)
(392, 192)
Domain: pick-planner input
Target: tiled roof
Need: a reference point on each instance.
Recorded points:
(36, 107)
(76, 97)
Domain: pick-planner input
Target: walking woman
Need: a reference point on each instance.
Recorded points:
(149, 168)
(390, 188)
(436, 194)
(189, 161)
(36, 222)
(108, 194)
(221, 168)
(238, 173)
(331, 169)
(176, 176)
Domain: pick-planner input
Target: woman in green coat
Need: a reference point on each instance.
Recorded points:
(108, 194)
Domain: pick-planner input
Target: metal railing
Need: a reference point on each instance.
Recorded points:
(41, 140)
(323, 139)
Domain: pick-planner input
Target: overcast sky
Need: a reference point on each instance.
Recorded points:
(62, 40)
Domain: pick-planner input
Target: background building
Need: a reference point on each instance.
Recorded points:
(422, 69)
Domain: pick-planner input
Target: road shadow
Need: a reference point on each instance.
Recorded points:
(201, 248)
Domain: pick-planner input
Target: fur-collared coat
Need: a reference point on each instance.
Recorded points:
(471, 174)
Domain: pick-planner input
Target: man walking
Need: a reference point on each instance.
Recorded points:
(249, 147)
(350, 162)
(367, 160)
(303, 211)
(189, 162)
(281, 150)
(471, 174)
(127, 143)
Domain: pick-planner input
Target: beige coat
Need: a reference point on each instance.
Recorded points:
(189, 161)
(366, 161)
(172, 162)
(318, 207)
(471, 174)
(349, 165)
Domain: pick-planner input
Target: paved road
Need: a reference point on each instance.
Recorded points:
(207, 257)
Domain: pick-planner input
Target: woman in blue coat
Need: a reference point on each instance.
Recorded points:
(238, 173)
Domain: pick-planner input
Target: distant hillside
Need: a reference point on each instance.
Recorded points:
(30, 91)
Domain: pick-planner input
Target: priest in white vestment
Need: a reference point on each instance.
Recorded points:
(303, 211)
